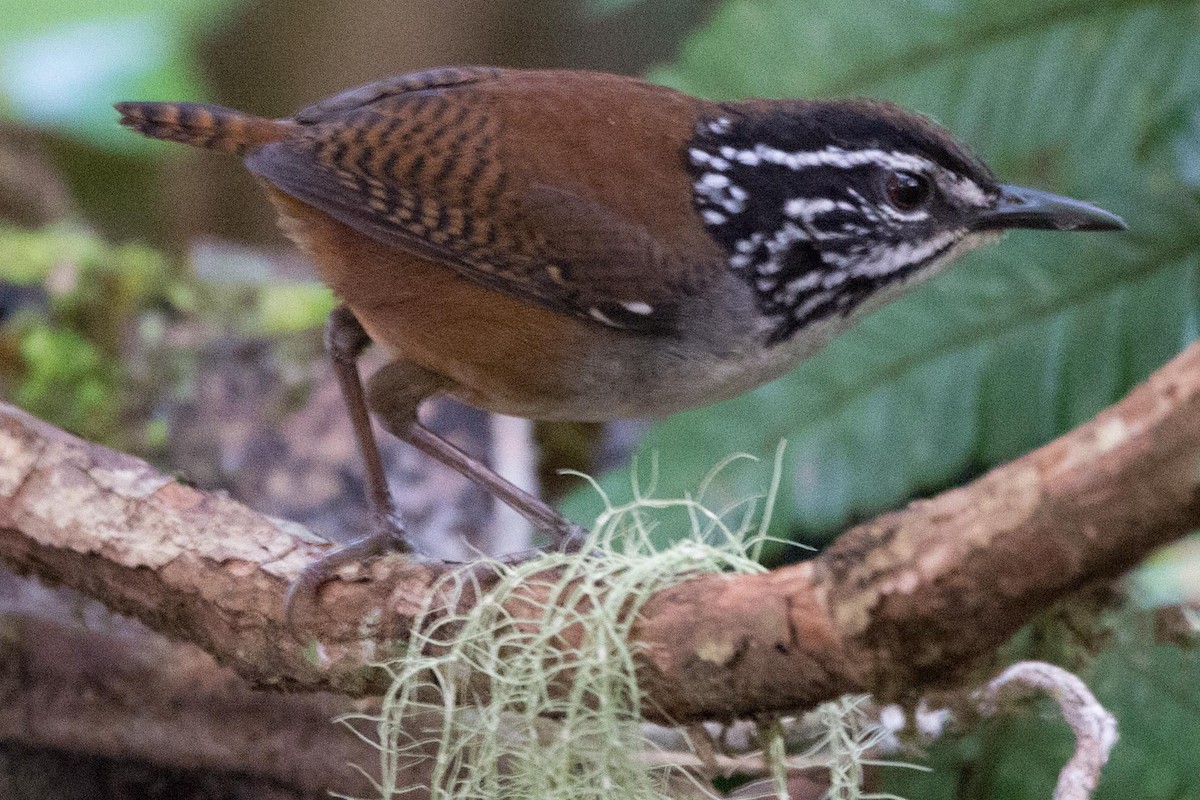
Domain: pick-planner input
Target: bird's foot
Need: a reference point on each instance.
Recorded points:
(386, 536)
(566, 536)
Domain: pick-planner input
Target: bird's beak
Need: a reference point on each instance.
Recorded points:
(1020, 207)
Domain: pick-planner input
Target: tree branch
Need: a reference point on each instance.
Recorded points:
(898, 605)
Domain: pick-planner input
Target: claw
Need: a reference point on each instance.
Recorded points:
(386, 537)
(567, 537)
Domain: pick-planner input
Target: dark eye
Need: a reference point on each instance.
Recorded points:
(907, 190)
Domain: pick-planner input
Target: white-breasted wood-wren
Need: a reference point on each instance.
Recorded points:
(567, 245)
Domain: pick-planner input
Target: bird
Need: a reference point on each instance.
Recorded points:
(574, 245)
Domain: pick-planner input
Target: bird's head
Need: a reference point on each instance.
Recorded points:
(821, 205)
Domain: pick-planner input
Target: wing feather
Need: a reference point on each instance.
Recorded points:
(414, 163)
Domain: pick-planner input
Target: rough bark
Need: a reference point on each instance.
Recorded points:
(898, 605)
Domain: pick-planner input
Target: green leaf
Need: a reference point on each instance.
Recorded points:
(1019, 342)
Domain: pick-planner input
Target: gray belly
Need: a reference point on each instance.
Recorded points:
(624, 378)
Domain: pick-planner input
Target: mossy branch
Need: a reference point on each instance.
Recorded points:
(898, 605)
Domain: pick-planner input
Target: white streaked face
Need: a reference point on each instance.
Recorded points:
(817, 231)
(864, 229)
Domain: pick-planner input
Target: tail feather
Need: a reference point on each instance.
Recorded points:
(201, 125)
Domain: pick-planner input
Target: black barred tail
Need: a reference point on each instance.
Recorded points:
(201, 125)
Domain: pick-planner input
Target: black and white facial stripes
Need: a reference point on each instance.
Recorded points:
(816, 226)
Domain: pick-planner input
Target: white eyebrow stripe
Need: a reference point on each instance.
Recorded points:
(840, 157)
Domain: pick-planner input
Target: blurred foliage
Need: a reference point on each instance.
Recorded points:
(243, 292)
(292, 307)
(63, 64)
(63, 354)
(1150, 688)
(83, 342)
(1020, 341)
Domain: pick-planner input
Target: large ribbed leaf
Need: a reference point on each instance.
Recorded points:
(1018, 342)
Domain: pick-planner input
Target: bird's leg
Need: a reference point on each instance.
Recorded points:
(383, 391)
(394, 394)
(563, 533)
(345, 341)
